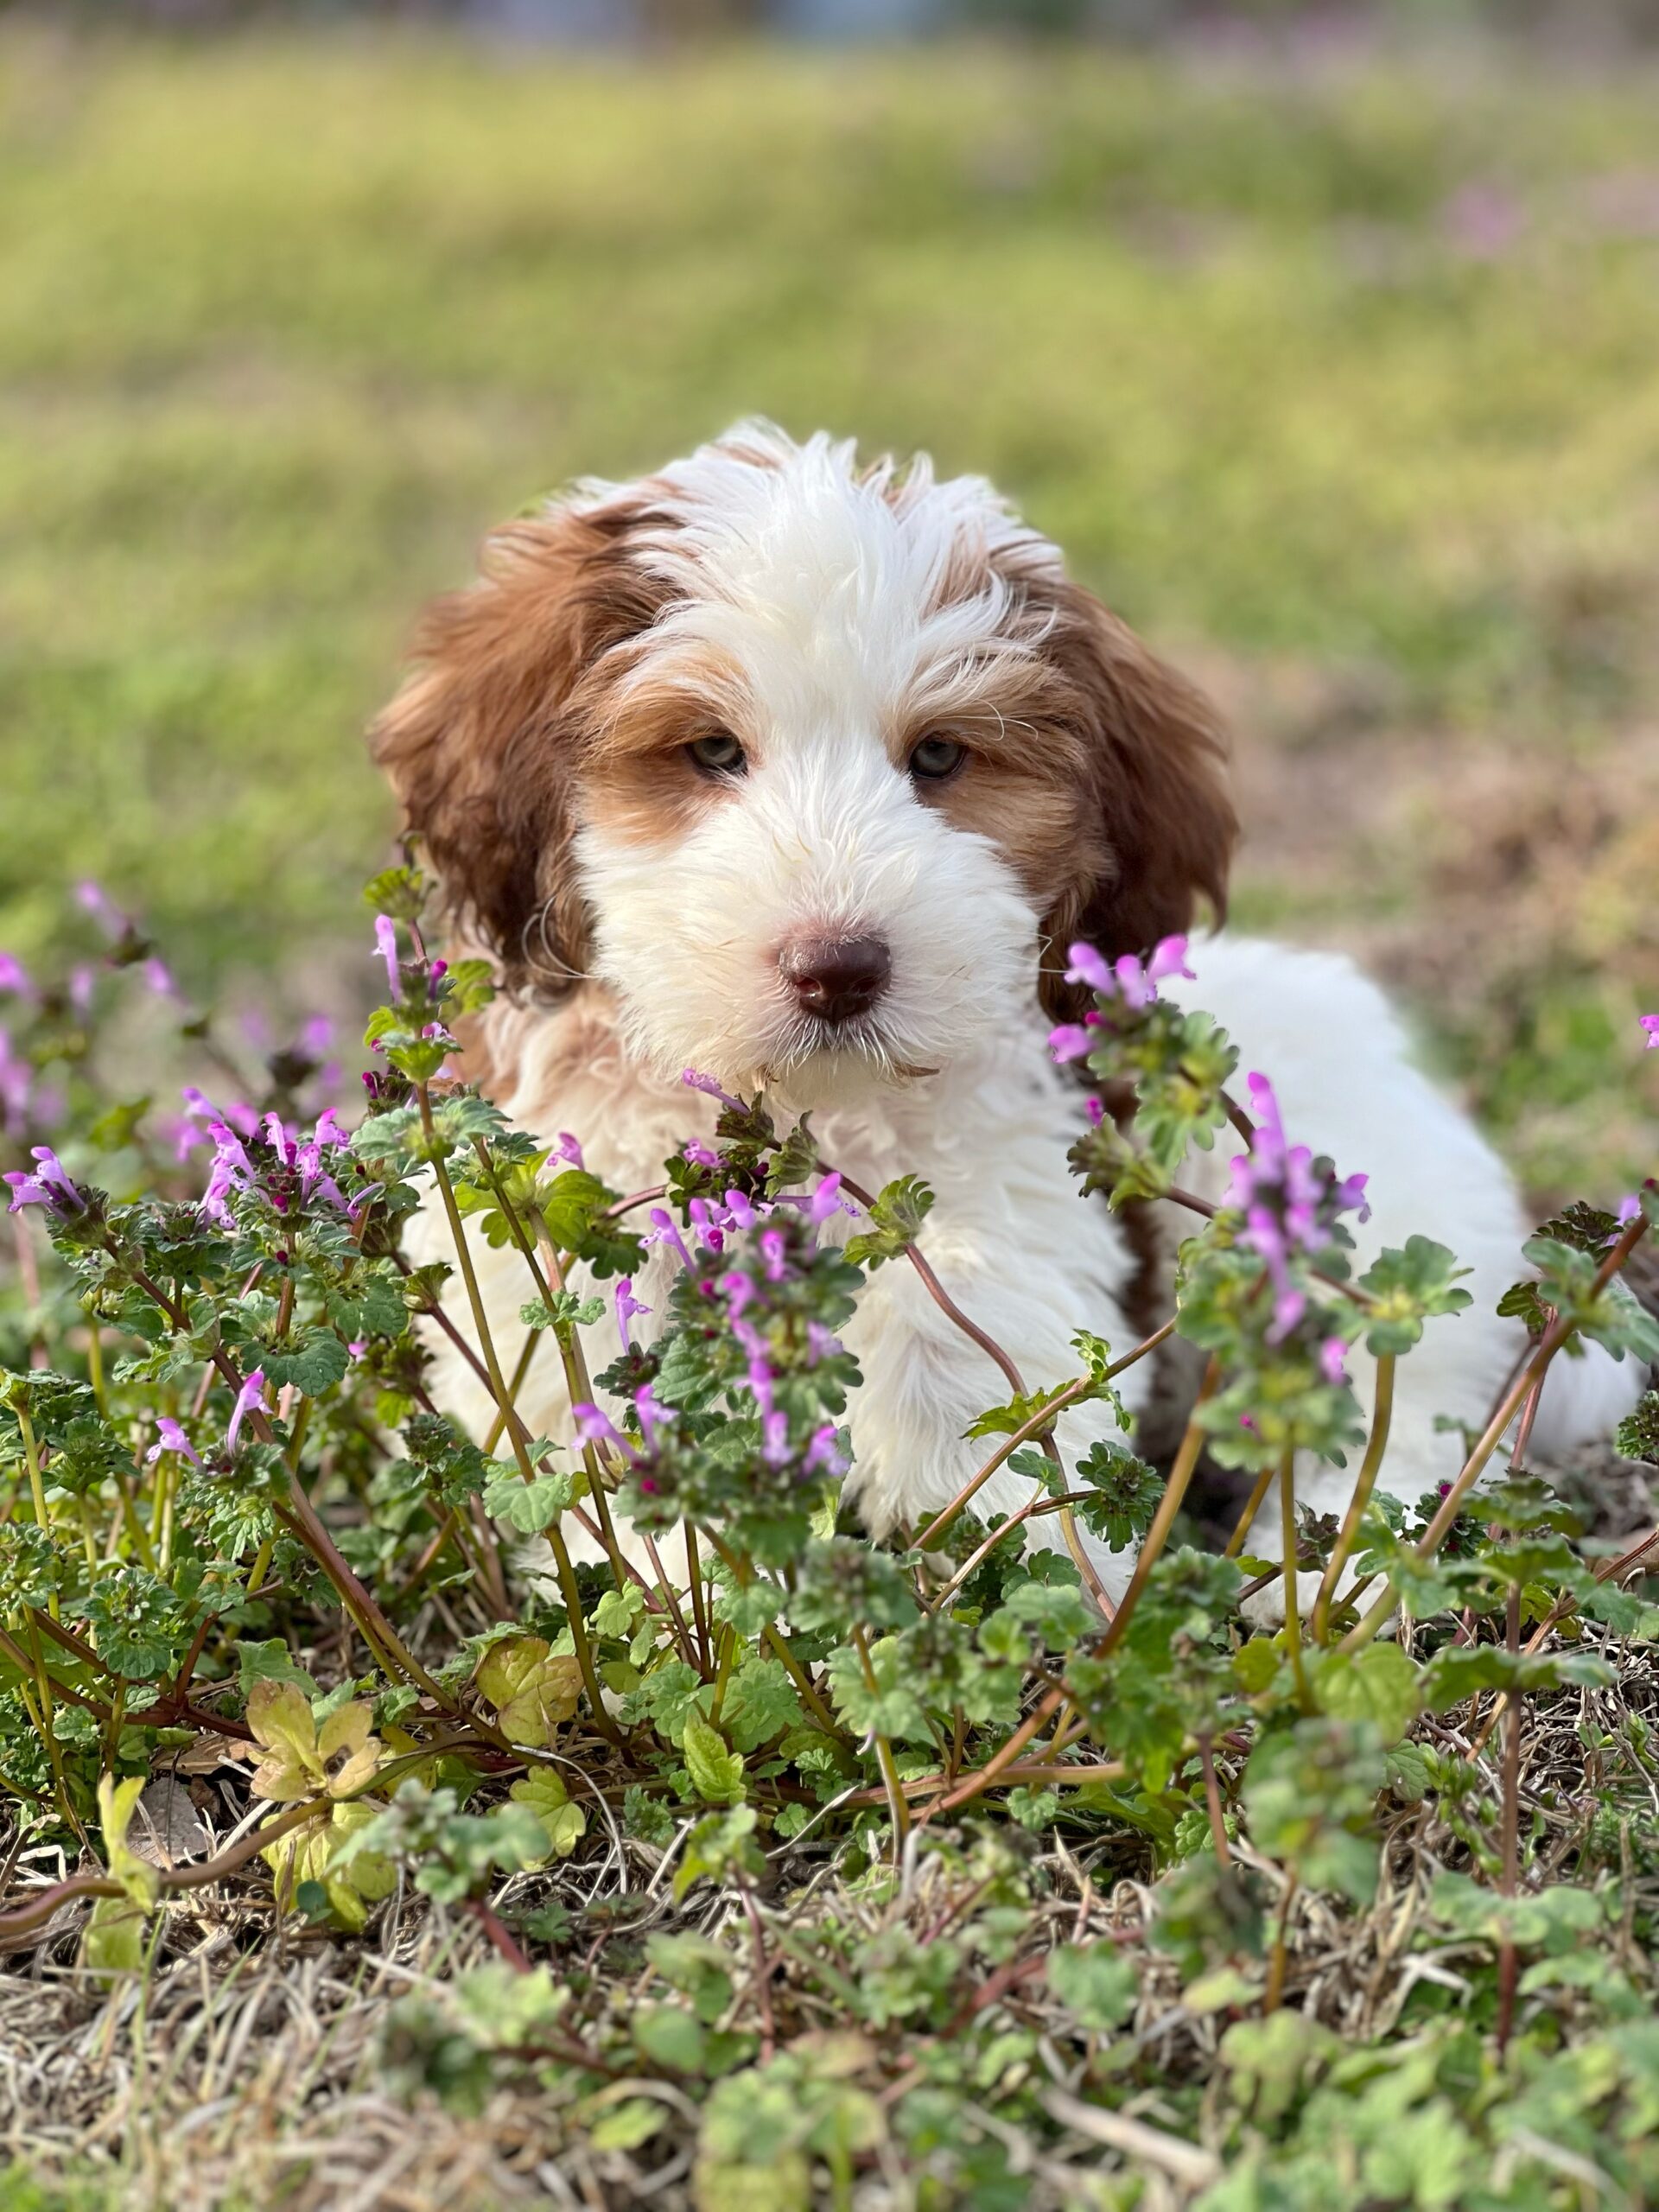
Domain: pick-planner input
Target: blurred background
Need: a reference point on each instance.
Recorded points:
(1326, 341)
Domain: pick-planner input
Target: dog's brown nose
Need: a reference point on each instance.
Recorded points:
(836, 978)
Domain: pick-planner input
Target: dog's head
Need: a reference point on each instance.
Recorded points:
(817, 767)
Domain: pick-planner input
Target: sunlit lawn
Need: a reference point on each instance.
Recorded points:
(1344, 386)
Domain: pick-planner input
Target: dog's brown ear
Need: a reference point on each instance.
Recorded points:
(483, 742)
(1160, 826)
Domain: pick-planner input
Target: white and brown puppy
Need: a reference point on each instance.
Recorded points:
(804, 774)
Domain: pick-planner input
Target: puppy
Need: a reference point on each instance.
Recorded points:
(804, 774)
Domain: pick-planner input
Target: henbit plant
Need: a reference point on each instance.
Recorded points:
(236, 1525)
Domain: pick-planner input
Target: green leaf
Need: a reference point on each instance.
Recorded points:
(668, 2036)
(896, 1218)
(530, 1507)
(269, 1662)
(545, 1794)
(563, 1310)
(721, 1846)
(1096, 1982)
(1378, 1684)
(761, 1702)
(1408, 1287)
(1637, 1436)
(716, 1773)
(533, 1690)
(313, 1365)
(627, 2125)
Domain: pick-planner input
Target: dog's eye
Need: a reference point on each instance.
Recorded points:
(936, 758)
(719, 754)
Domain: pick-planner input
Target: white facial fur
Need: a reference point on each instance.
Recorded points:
(808, 616)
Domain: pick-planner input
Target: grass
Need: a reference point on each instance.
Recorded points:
(1339, 383)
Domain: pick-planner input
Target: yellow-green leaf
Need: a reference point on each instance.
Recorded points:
(565, 1823)
(717, 1774)
(532, 1691)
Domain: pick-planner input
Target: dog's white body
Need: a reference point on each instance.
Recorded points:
(818, 618)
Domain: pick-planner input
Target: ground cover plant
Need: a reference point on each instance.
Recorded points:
(366, 1847)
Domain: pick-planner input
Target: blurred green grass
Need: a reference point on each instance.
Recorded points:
(1345, 382)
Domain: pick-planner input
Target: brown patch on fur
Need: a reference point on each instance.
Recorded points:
(485, 745)
(1095, 769)
(639, 782)
(1156, 826)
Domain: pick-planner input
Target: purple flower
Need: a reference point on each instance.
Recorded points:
(567, 1149)
(652, 1412)
(700, 1155)
(247, 1400)
(232, 1170)
(663, 1232)
(626, 1306)
(775, 1255)
(1091, 967)
(328, 1131)
(1289, 1204)
(83, 982)
(1070, 1041)
(708, 1221)
(1483, 220)
(740, 1214)
(159, 976)
(316, 1035)
(827, 1200)
(1096, 1109)
(824, 1451)
(1331, 1353)
(820, 1342)
(1650, 1023)
(173, 1440)
(49, 1186)
(1126, 978)
(386, 944)
(14, 976)
(594, 1427)
(774, 1438)
(1168, 958)
(95, 900)
(696, 1081)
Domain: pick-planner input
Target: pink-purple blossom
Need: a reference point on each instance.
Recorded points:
(826, 1199)
(1650, 1022)
(595, 1426)
(695, 1080)
(248, 1399)
(567, 1149)
(1289, 1204)
(627, 1306)
(49, 1185)
(663, 1232)
(386, 944)
(172, 1438)
(93, 900)
(14, 976)
(1070, 1040)
(1128, 978)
